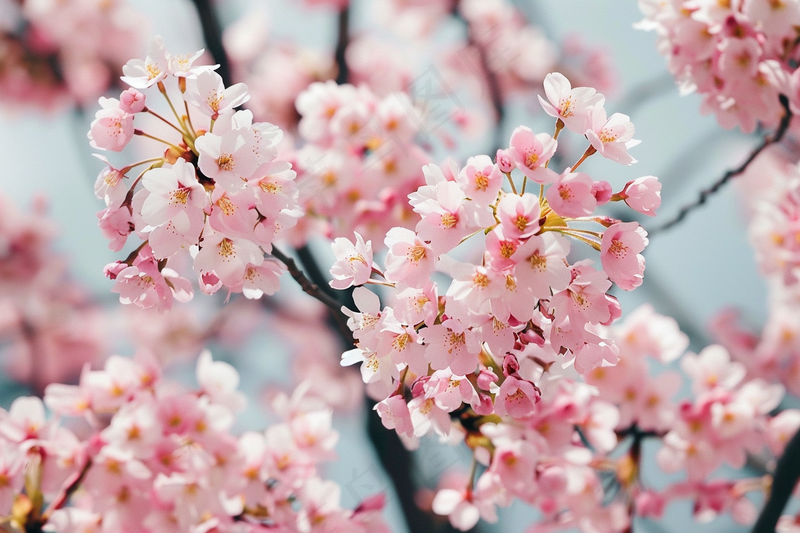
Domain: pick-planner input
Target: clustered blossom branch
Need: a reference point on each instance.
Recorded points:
(153, 455)
(216, 189)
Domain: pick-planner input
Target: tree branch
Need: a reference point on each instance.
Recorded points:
(308, 286)
(708, 192)
(343, 39)
(212, 34)
(787, 472)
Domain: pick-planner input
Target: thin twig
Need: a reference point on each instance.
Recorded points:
(787, 472)
(71, 485)
(308, 286)
(710, 191)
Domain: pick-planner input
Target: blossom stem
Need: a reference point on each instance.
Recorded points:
(511, 182)
(589, 151)
(472, 471)
(556, 133)
(145, 161)
(162, 119)
(705, 194)
(163, 91)
(378, 282)
(71, 485)
(191, 129)
(143, 134)
(563, 229)
(590, 242)
(132, 256)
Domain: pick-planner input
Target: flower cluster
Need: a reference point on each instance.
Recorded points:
(579, 457)
(773, 199)
(740, 55)
(516, 327)
(361, 159)
(215, 189)
(54, 54)
(157, 457)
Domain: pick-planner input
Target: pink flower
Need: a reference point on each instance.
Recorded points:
(353, 262)
(261, 279)
(116, 224)
(530, 152)
(112, 127)
(504, 161)
(611, 137)
(481, 180)
(516, 398)
(395, 415)
(619, 253)
(142, 74)
(451, 344)
(572, 195)
(572, 106)
(643, 195)
(145, 285)
(540, 265)
(409, 259)
(208, 93)
(131, 101)
(109, 185)
(228, 159)
(226, 257)
(519, 215)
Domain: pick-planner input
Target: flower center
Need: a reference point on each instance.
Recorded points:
(226, 248)
(226, 162)
(228, 207)
(531, 159)
(449, 220)
(481, 181)
(617, 249)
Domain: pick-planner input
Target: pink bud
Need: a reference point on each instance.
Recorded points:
(418, 387)
(484, 405)
(602, 192)
(111, 270)
(131, 101)
(485, 378)
(510, 365)
(643, 195)
(209, 283)
(504, 161)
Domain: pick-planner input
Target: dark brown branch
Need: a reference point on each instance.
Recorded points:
(396, 461)
(343, 39)
(705, 194)
(212, 34)
(308, 286)
(787, 472)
